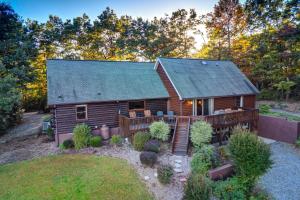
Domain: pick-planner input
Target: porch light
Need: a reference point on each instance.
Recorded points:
(190, 102)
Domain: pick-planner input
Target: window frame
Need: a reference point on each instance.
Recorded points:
(137, 109)
(86, 112)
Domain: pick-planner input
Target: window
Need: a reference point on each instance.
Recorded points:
(81, 112)
(239, 101)
(135, 105)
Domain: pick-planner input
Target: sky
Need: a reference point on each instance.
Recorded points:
(67, 9)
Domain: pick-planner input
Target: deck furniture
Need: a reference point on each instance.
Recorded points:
(132, 114)
(222, 125)
(147, 113)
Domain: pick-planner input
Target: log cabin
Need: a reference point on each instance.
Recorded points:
(176, 90)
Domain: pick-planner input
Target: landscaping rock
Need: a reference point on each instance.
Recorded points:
(178, 161)
(183, 179)
(146, 178)
(155, 174)
(177, 165)
(178, 170)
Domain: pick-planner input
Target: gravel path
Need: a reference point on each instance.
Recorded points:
(283, 180)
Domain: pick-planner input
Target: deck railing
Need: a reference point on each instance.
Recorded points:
(128, 126)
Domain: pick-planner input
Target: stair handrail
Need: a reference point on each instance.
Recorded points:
(188, 134)
(174, 134)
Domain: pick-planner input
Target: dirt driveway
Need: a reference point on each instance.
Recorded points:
(24, 141)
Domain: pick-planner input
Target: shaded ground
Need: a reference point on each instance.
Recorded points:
(31, 125)
(283, 179)
(26, 147)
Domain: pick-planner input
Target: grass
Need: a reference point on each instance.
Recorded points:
(282, 115)
(71, 177)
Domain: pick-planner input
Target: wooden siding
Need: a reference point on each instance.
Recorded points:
(229, 102)
(249, 101)
(187, 108)
(100, 113)
(174, 102)
(224, 102)
(156, 105)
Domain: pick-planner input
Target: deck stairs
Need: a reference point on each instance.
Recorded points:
(180, 139)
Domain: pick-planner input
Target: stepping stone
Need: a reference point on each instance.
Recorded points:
(155, 174)
(178, 161)
(183, 179)
(177, 165)
(178, 170)
(146, 178)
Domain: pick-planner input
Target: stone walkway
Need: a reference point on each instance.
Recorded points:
(282, 181)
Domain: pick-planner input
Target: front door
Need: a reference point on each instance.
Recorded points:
(201, 107)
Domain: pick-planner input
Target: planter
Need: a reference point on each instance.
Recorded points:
(105, 132)
(97, 132)
(222, 172)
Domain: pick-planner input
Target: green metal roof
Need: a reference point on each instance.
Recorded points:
(78, 81)
(196, 78)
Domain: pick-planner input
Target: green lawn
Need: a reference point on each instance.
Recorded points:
(71, 177)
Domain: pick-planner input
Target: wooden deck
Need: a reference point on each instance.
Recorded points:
(222, 125)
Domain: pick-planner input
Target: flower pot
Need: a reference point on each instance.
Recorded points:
(105, 132)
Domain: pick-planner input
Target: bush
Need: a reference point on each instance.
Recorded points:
(250, 155)
(152, 145)
(116, 140)
(139, 140)
(297, 143)
(231, 189)
(96, 141)
(148, 158)
(68, 144)
(224, 152)
(201, 161)
(198, 187)
(201, 133)
(50, 133)
(82, 134)
(164, 174)
(160, 130)
(264, 108)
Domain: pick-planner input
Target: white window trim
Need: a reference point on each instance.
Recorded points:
(242, 101)
(86, 112)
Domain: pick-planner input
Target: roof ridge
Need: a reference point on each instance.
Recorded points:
(128, 61)
(203, 59)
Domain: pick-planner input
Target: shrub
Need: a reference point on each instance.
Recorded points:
(152, 145)
(198, 187)
(224, 152)
(116, 140)
(164, 174)
(68, 144)
(139, 140)
(264, 108)
(298, 143)
(201, 133)
(82, 134)
(96, 141)
(201, 161)
(50, 133)
(250, 155)
(231, 189)
(160, 130)
(148, 158)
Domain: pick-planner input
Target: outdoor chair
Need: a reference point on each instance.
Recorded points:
(147, 113)
(132, 114)
(160, 113)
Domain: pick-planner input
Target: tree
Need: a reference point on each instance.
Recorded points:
(16, 51)
(225, 23)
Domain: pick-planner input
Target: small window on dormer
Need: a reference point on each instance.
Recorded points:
(81, 112)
